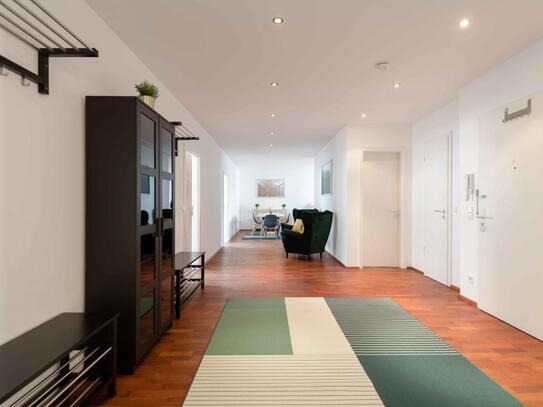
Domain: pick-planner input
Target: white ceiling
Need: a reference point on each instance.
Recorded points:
(219, 57)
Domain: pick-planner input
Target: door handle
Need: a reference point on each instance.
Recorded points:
(484, 217)
(440, 211)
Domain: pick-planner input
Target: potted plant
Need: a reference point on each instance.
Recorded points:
(256, 207)
(147, 93)
(284, 206)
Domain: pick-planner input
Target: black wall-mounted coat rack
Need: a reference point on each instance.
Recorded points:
(38, 28)
(182, 134)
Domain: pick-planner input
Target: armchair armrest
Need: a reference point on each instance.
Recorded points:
(286, 226)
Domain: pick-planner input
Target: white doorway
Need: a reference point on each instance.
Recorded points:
(225, 222)
(195, 202)
(437, 208)
(380, 209)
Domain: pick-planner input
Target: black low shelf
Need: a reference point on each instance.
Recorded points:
(189, 275)
(69, 360)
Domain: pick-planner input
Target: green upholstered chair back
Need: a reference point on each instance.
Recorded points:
(297, 213)
(320, 231)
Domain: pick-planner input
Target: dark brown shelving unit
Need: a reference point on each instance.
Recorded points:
(130, 221)
(189, 275)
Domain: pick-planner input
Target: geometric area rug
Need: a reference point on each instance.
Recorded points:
(315, 351)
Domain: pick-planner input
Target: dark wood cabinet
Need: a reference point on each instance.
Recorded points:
(130, 220)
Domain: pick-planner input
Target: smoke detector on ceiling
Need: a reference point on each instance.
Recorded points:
(382, 66)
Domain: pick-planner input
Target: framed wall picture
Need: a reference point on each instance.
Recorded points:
(326, 178)
(270, 188)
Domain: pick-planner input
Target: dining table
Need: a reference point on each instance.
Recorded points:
(282, 214)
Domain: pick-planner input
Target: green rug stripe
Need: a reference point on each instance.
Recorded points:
(444, 381)
(252, 326)
(379, 326)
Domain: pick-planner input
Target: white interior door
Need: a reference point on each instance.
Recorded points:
(436, 211)
(510, 240)
(193, 196)
(381, 209)
(225, 220)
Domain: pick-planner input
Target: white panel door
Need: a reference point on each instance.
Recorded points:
(436, 181)
(511, 239)
(381, 209)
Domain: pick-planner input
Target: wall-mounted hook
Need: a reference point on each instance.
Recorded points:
(519, 113)
(24, 81)
(3, 71)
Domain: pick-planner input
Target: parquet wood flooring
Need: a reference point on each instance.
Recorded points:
(259, 268)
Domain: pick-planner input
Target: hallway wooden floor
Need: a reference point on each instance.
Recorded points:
(259, 268)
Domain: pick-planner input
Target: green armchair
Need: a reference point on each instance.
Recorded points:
(317, 226)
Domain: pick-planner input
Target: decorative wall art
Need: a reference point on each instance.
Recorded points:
(271, 188)
(326, 178)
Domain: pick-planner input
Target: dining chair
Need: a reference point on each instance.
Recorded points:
(256, 225)
(270, 223)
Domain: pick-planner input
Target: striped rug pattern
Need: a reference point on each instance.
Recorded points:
(314, 351)
(285, 380)
(379, 326)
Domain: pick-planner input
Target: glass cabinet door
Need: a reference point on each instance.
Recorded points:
(150, 215)
(147, 259)
(167, 258)
(147, 141)
(147, 318)
(167, 200)
(166, 300)
(166, 149)
(147, 199)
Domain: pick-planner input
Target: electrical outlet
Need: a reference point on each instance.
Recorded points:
(471, 278)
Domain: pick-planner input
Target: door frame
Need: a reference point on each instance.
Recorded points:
(450, 135)
(225, 199)
(404, 195)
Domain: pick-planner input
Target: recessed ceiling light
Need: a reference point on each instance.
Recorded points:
(271, 145)
(396, 85)
(273, 115)
(464, 23)
(363, 115)
(274, 84)
(278, 20)
(272, 133)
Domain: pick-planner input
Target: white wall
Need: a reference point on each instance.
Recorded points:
(298, 174)
(42, 176)
(336, 202)
(441, 122)
(346, 151)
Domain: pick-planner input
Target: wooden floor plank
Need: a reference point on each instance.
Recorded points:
(259, 268)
